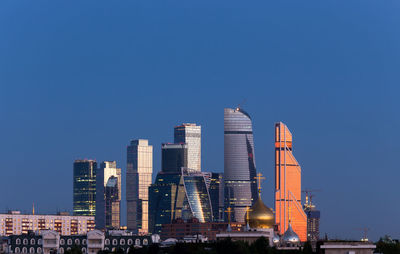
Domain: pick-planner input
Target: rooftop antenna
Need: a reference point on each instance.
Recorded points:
(241, 104)
(365, 232)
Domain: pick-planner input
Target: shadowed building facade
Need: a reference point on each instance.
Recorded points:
(139, 172)
(84, 187)
(288, 185)
(108, 196)
(178, 192)
(239, 162)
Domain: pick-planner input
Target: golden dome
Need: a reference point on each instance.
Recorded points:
(260, 216)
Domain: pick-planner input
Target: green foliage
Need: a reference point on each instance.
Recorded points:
(307, 249)
(387, 246)
(260, 246)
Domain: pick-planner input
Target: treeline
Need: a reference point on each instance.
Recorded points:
(260, 246)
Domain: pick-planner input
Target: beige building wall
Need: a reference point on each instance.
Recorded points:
(139, 177)
(15, 223)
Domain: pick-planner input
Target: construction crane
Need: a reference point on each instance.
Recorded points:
(308, 205)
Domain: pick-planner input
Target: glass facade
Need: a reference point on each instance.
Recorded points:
(190, 134)
(112, 203)
(313, 218)
(173, 157)
(216, 191)
(288, 185)
(197, 195)
(138, 179)
(178, 195)
(166, 198)
(84, 187)
(239, 163)
(108, 195)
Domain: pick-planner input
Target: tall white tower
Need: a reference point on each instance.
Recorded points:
(190, 134)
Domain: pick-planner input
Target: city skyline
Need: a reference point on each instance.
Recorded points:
(328, 70)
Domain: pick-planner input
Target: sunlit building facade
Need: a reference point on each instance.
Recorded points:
(288, 185)
(138, 179)
(108, 196)
(15, 223)
(84, 187)
(197, 203)
(190, 134)
(239, 162)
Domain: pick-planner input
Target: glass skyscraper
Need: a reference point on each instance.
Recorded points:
(190, 134)
(108, 196)
(288, 185)
(239, 162)
(216, 190)
(139, 172)
(84, 187)
(178, 192)
(173, 157)
(197, 200)
(166, 197)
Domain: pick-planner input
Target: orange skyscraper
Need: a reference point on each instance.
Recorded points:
(288, 185)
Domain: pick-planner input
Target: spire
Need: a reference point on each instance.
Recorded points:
(229, 211)
(259, 177)
(247, 218)
(33, 208)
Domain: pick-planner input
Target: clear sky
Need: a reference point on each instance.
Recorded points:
(79, 79)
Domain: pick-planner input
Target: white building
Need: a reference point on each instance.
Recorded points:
(49, 241)
(15, 223)
(190, 134)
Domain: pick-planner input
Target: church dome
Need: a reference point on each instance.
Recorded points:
(276, 239)
(260, 216)
(290, 237)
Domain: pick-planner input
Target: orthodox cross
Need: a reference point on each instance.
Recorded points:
(229, 211)
(259, 177)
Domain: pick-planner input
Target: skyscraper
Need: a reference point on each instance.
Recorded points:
(138, 179)
(108, 196)
(174, 157)
(313, 218)
(178, 195)
(167, 194)
(197, 201)
(239, 162)
(216, 189)
(84, 187)
(190, 134)
(166, 197)
(288, 184)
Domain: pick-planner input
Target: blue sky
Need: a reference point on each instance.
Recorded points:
(79, 79)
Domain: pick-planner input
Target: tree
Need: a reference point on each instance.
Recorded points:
(260, 246)
(307, 249)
